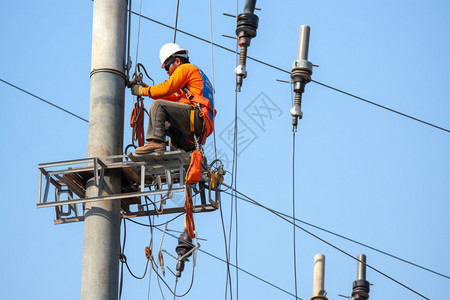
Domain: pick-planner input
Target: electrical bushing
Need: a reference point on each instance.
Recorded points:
(247, 23)
(361, 289)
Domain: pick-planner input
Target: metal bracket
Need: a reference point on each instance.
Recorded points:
(142, 176)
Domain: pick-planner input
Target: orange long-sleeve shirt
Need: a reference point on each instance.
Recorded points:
(184, 75)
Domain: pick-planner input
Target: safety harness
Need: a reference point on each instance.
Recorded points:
(205, 107)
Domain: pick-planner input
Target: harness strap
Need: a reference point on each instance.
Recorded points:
(192, 120)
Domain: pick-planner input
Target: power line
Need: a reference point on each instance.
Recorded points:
(43, 100)
(328, 243)
(381, 106)
(288, 72)
(353, 241)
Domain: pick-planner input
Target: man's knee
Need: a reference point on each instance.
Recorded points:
(155, 105)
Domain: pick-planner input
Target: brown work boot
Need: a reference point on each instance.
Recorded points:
(152, 146)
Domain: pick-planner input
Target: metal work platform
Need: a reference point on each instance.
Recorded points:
(149, 183)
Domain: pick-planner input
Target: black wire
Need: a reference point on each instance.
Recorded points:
(226, 254)
(173, 293)
(43, 100)
(135, 276)
(156, 225)
(352, 240)
(175, 288)
(293, 202)
(381, 106)
(229, 242)
(331, 245)
(128, 42)
(288, 72)
(235, 161)
(176, 22)
(240, 269)
(293, 209)
(121, 262)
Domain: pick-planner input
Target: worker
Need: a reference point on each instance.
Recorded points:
(183, 107)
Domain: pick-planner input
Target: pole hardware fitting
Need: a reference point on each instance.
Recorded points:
(301, 72)
(184, 246)
(240, 71)
(138, 77)
(246, 25)
(148, 253)
(319, 298)
(109, 70)
(361, 289)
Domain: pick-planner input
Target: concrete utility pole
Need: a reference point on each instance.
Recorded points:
(319, 278)
(101, 249)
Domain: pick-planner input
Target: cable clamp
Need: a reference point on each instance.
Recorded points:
(109, 70)
(240, 71)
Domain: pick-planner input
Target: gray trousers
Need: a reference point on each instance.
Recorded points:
(168, 118)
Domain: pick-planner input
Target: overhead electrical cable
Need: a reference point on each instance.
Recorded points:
(351, 240)
(315, 81)
(381, 106)
(329, 244)
(43, 100)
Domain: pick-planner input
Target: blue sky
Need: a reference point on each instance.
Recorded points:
(360, 171)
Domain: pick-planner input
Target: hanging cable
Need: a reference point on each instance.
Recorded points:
(175, 288)
(176, 23)
(293, 210)
(240, 269)
(156, 225)
(235, 159)
(149, 284)
(329, 244)
(128, 63)
(227, 251)
(288, 72)
(293, 203)
(139, 30)
(212, 70)
(121, 263)
(167, 285)
(123, 260)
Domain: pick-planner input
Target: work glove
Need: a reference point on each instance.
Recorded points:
(136, 89)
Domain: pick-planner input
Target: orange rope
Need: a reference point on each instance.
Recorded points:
(137, 122)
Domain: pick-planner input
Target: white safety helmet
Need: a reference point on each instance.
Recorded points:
(170, 49)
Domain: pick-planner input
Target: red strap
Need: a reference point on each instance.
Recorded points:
(190, 226)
